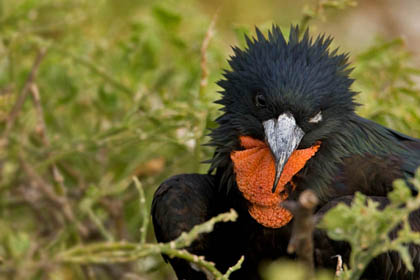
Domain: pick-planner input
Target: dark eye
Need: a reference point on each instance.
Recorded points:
(259, 100)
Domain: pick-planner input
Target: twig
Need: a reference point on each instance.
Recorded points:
(311, 13)
(108, 236)
(143, 209)
(203, 264)
(23, 93)
(55, 172)
(339, 266)
(42, 131)
(99, 71)
(201, 125)
(203, 51)
(49, 192)
(301, 240)
(118, 252)
(234, 268)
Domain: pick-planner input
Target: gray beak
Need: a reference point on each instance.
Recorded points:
(283, 136)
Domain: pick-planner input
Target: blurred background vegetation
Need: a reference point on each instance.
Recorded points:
(93, 93)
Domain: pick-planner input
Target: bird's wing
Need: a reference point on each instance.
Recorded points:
(410, 153)
(180, 203)
(400, 136)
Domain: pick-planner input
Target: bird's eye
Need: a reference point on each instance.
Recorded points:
(317, 118)
(260, 100)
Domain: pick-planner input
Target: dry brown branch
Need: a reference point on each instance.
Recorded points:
(203, 50)
(48, 190)
(304, 222)
(41, 126)
(42, 131)
(23, 93)
(339, 267)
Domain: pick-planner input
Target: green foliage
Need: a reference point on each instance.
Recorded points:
(384, 72)
(119, 96)
(372, 237)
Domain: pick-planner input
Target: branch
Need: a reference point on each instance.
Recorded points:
(234, 268)
(118, 252)
(98, 223)
(41, 127)
(42, 131)
(304, 222)
(23, 93)
(48, 190)
(143, 209)
(339, 266)
(201, 125)
(203, 50)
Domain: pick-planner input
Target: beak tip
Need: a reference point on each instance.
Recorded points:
(276, 181)
(277, 177)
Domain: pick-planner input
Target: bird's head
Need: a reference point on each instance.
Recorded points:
(289, 93)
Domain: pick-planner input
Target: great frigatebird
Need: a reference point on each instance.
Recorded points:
(288, 124)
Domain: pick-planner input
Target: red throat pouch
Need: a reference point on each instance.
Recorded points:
(254, 168)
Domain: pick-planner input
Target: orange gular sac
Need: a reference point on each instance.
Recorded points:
(254, 168)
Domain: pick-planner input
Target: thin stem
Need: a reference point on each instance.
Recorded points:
(143, 209)
(203, 50)
(108, 236)
(234, 268)
(23, 93)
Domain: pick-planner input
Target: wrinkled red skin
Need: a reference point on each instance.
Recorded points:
(255, 170)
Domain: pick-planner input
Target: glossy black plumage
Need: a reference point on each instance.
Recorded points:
(301, 77)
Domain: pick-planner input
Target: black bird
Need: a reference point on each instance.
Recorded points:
(289, 95)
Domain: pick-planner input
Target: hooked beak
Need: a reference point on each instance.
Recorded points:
(283, 136)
